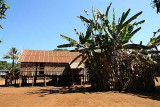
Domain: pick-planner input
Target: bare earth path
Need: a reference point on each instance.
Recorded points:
(60, 96)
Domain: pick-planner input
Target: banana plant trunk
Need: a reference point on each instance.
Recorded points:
(109, 75)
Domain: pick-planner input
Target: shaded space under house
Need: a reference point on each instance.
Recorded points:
(54, 65)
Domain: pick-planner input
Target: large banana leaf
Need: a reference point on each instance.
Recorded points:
(100, 12)
(129, 20)
(137, 46)
(65, 45)
(84, 19)
(106, 15)
(77, 57)
(123, 18)
(89, 31)
(108, 33)
(140, 22)
(124, 35)
(114, 21)
(83, 59)
(126, 38)
(74, 42)
(94, 15)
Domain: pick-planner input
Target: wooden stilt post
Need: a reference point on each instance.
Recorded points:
(14, 80)
(35, 79)
(32, 81)
(45, 80)
(57, 78)
(84, 79)
(28, 80)
(52, 80)
(6, 80)
(72, 78)
(20, 81)
(81, 80)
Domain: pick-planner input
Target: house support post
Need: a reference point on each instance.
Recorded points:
(6, 83)
(45, 81)
(72, 78)
(15, 81)
(81, 80)
(28, 80)
(32, 81)
(35, 79)
(57, 78)
(84, 77)
(20, 81)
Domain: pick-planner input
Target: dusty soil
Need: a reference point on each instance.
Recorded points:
(78, 96)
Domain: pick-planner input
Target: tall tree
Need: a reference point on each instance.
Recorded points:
(12, 54)
(3, 8)
(156, 3)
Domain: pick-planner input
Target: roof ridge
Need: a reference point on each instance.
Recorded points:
(44, 50)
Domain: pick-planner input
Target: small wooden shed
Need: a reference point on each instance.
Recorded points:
(40, 63)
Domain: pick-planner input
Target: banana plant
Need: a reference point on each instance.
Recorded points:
(106, 49)
(101, 33)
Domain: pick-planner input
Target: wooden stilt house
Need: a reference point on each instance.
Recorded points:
(49, 64)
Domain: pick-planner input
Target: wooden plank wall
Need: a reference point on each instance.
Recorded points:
(28, 69)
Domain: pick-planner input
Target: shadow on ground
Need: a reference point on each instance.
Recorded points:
(61, 90)
(42, 92)
(155, 95)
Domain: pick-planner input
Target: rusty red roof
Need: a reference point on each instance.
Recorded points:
(48, 56)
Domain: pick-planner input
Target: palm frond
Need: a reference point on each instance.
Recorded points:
(108, 10)
(6, 56)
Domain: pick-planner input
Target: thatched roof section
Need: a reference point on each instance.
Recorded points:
(48, 56)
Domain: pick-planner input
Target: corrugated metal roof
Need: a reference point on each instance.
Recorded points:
(48, 56)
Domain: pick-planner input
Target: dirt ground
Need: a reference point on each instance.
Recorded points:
(50, 96)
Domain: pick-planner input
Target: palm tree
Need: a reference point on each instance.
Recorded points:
(12, 54)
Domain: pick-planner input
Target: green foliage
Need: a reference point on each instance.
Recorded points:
(156, 3)
(3, 8)
(3, 65)
(6, 65)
